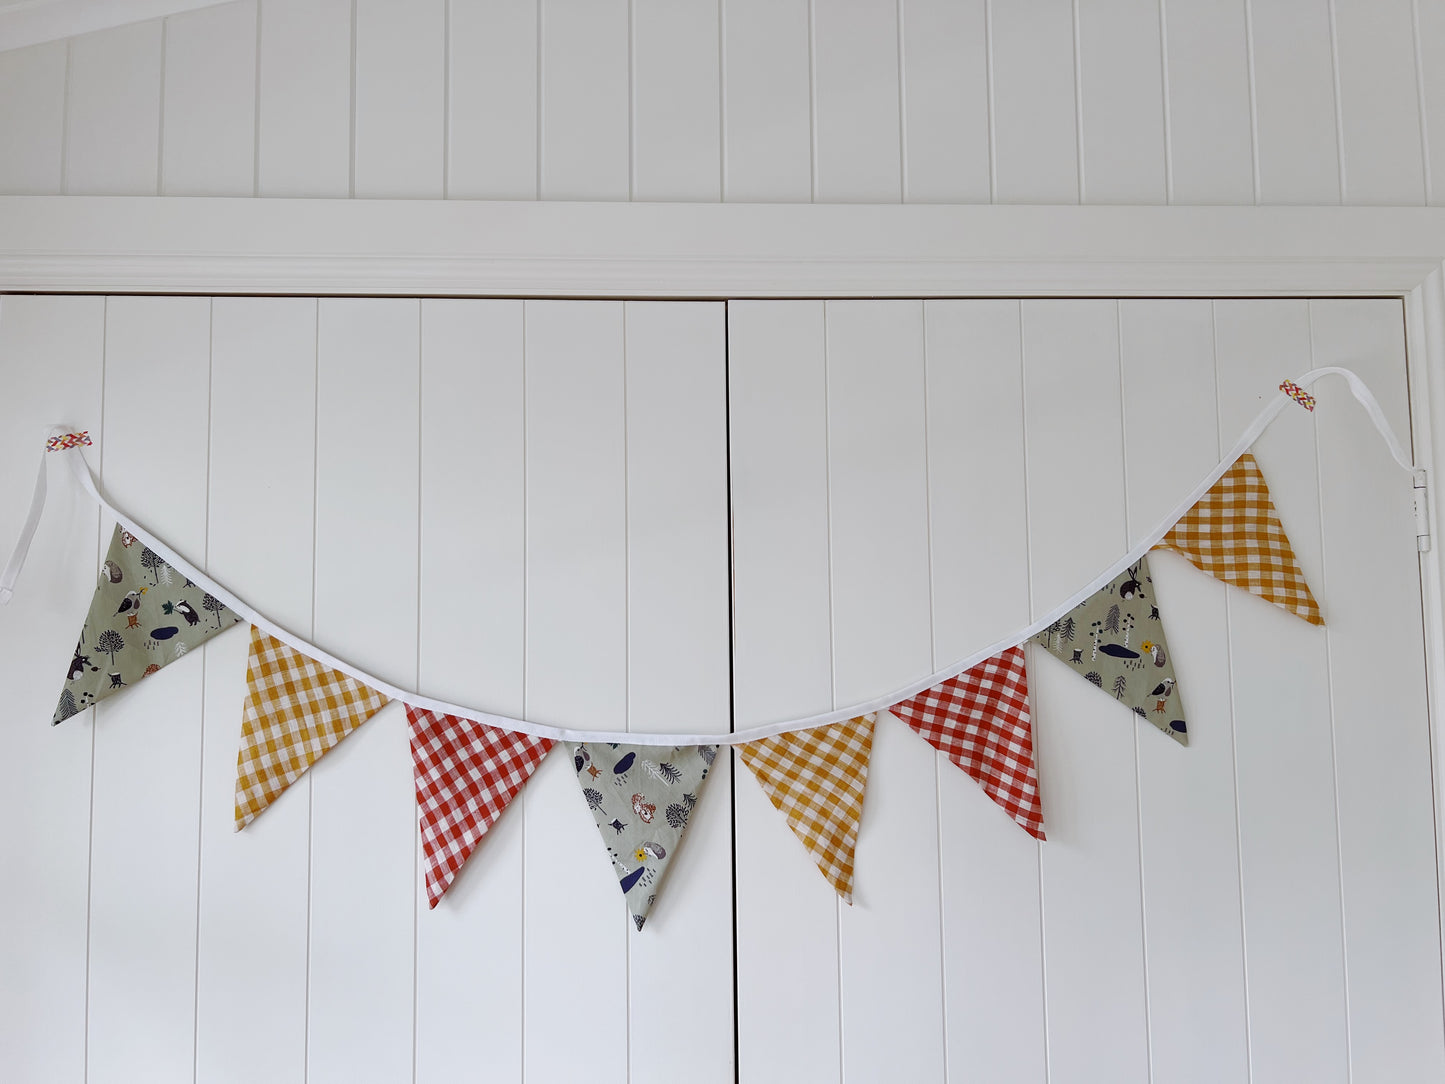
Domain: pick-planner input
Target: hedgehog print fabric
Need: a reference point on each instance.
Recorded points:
(144, 615)
(642, 797)
(1115, 641)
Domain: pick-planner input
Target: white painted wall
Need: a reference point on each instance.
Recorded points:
(1099, 101)
(524, 505)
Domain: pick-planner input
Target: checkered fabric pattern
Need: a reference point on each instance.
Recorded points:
(466, 773)
(816, 779)
(980, 721)
(296, 711)
(1235, 535)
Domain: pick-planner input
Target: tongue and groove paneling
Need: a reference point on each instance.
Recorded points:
(524, 505)
(1099, 101)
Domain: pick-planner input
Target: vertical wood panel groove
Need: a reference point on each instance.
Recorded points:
(939, 759)
(526, 643)
(65, 120)
(541, 96)
(1031, 654)
(899, 30)
(1081, 193)
(812, 101)
(1428, 20)
(832, 604)
(351, 112)
(201, 803)
(631, 113)
(446, 98)
(1339, 102)
(161, 117)
(988, 72)
(733, 762)
(626, 546)
(1422, 99)
(1233, 719)
(91, 713)
(1253, 97)
(256, 108)
(1329, 646)
(828, 505)
(1138, 762)
(315, 540)
(420, 595)
(1238, 833)
(722, 151)
(1168, 98)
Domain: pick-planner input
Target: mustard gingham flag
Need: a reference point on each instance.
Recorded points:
(1234, 534)
(816, 779)
(296, 711)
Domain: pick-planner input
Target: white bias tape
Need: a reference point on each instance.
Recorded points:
(83, 476)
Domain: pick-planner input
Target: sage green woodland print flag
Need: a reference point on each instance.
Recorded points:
(642, 797)
(144, 614)
(1114, 640)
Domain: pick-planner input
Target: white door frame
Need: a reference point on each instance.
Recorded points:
(340, 247)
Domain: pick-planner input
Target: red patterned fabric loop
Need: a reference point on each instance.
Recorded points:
(980, 721)
(67, 440)
(1299, 395)
(466, 773)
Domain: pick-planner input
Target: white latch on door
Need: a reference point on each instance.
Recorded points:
(1422, 509)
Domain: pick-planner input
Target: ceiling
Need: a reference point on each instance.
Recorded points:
(30, 22)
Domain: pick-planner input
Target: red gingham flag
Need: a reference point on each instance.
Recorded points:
(466, 773)
(980, 720)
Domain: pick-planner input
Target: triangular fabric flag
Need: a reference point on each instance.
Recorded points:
(1234, 534)
(296, 711)
(144, 614)
(642, 797)
(1114, 639)
(466, 773)
(816, 779)
(980, 721)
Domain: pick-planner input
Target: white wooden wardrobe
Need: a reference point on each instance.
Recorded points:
(663, 515)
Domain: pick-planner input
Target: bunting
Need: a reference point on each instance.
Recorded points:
(1114, 640)
(296, 711)
(466, 774)
(1234, 534)
(980, 721)
(147, 612)
(143, 616)
(816, 779)
(642, 797)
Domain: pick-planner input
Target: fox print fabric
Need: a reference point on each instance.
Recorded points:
(1114, 640)
(642, 797)
(144, 615)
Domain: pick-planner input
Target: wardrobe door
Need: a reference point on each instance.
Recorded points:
(911, 481)
(520, 506)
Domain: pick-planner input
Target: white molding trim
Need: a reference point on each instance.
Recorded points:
(539, 249)
(1425, 366)
(30, 22)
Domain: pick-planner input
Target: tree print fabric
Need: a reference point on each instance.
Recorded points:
(144, 614)
(466, 773)
(1234, 534)
(816, 779)
(296, 711)
(980, 721)
(642, 797)
(1114, 639)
